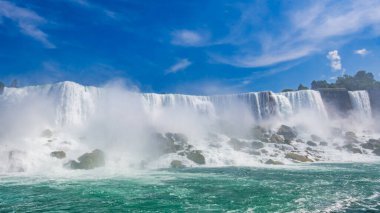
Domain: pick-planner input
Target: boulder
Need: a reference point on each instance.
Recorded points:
(287, 132)
(236, 144)
(195, 156)
(169, 143)
(315, 138)
(352, 148)
(16, 160)
(47, 133)
(371, 144)
(275, 138)
(257, 145)
(90, 160)
(259, 133)
(376, 151)
(176, 164)
(298, 157)
(253, 152)
(273, 162)
(311, 143)
(351, 137)
(58, 154)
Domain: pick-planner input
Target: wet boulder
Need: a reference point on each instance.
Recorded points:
(351, 137)
(275, 138)
(311, 143)
(237, 144)
(47, 133)
(273, 162)
(315, 138)
(376, 151)
(298, 157)
(16, 159)
(58, 154)
(87, 161)
(169, 143)
(257, 145)
(371, 144)
(177, 164)
(195, 156)
(352, 148)
(287, 132)
(259, 133)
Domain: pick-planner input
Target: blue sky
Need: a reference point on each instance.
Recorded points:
(194, 47)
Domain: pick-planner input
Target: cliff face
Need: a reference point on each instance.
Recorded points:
(337, 101)
(374, 96)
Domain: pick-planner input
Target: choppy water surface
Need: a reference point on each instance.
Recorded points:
(311, 188)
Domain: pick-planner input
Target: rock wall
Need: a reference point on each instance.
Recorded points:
(374, 97)
(337, 101)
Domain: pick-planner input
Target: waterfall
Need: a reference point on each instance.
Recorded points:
(361, 103)
(75, 103)
(306, 100)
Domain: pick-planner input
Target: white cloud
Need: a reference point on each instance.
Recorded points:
(180, 65)
(361, 52)
(335, 60)
(311, 28)
(27, 20)
(188, 38)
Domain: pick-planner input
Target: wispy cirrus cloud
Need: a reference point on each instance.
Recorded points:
(180, 65)
(89, 5)
(306, 29)
(27, 20)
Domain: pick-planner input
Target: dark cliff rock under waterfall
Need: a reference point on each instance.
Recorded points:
(337, 101)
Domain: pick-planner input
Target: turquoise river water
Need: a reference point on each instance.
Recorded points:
(344, 187)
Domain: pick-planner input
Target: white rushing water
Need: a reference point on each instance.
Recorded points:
(83, 118)
(361, 103)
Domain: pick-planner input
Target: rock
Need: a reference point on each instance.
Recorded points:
(311, 143)
(371, 144)
(236, 144)
(351, 137)
(337, 132)
(170, 143)
(376, 152)
(90, 160)
(273, 162)
(275, 138)
(367, 146)
(16, 161)
(176, 164)
(259, 133)
(352, 148)
(257, 145)
(288, 132)
(284, 147)
(253, 152)
(47, 133)
(195, 156)
(58, 154)
(297, 157)
(323, 143)
(315, 138)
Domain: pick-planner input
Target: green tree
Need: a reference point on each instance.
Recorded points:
(302, 87)
(287, 90)
(320, 84)
(2, 85)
